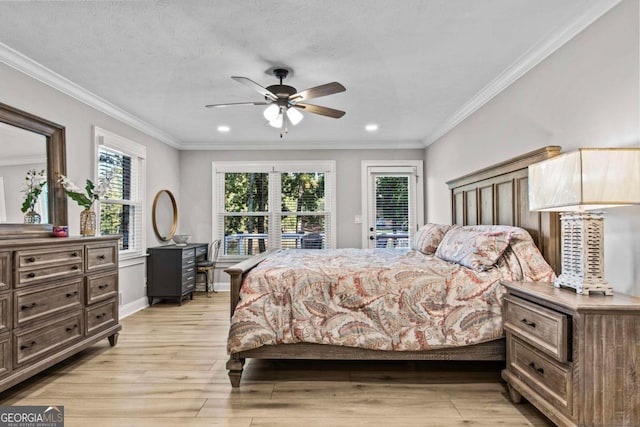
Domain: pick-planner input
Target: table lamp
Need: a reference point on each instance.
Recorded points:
(578, 184)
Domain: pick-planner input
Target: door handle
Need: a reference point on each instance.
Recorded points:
(370, 228)
(372, 238)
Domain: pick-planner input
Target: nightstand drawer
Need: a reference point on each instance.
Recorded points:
(543, 328)
(547, 377)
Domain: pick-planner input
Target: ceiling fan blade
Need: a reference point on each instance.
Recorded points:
(236, 103)
(318, 91)
(255, 86)
(324, 111)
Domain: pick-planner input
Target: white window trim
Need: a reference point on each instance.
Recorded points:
(328, 166)
(367, 166)
(116, 142)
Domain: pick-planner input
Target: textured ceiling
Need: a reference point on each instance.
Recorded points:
(408, 65)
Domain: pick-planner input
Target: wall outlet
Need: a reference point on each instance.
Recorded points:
(357, 219)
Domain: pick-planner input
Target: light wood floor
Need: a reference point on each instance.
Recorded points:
(168, 370)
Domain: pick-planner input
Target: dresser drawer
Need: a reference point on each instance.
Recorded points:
(101, 287)
(38, 302)
(48, 257)
(31, 276)
(101, 315)
(188, 282)
(188, 253)
(5, 353)
(543, 374)
(5, 271)
(100, 257)
(545, 329)
(35, 343)
(5, 312)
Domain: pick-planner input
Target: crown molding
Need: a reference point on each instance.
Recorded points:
(535, 55)
(303, 145)
(28, 66)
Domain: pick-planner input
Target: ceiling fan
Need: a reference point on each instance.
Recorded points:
(284, 101)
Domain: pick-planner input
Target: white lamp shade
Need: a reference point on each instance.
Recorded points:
(277, 122)
(589, 178)
(271, 112)
(294, 115)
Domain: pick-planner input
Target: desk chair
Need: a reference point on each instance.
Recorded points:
(208, 266)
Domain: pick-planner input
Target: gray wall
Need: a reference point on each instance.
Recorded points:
(583, 95)
(25, 93)
(195, 189)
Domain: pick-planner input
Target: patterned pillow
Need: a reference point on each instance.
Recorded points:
(474, 247)
(428, 237)
(534, 267)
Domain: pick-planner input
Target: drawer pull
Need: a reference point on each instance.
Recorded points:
(100, 256)
(538, 370)
(74, 254)
(72, 294)
(75, 267)
(28, 307)
(31, 259)
(100, 316)
(27, 346)
(31, 275)
(528, 323)
(72, 328)
(105, 286)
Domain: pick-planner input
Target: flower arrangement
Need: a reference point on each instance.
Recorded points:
(34, 183)
(91, 192)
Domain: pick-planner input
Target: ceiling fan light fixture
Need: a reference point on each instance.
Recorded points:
(294, 116)
(271, 112)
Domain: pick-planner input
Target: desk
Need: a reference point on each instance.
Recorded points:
(171, 270)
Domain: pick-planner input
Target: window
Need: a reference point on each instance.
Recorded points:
(262, 206)
(121, 212)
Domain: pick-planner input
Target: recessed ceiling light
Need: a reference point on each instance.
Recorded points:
(223, 128)
(371, 127)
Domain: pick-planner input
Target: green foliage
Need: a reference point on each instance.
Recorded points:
(84, 200)
(34, 183)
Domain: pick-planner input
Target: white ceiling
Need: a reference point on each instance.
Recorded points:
(415, 67)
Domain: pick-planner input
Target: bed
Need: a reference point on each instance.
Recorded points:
(355, 304)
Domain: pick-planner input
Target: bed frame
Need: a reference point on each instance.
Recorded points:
(494, 195)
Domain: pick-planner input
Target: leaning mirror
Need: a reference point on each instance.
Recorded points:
(164, 215)
(31, 146)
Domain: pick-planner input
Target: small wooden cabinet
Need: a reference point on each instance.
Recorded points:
(171, 271)
(575, 357)
(52, 296)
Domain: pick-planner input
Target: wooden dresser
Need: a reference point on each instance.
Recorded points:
(575, 357)
(57, 297)
(171, 270)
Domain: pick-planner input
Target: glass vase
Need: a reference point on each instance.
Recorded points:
(32, 217)
(88, 222)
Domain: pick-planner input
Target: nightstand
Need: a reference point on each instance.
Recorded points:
(574, 357)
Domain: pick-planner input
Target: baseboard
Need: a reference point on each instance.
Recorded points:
(218, 286)
(133, 307)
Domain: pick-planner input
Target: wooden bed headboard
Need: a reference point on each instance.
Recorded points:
(498, 195)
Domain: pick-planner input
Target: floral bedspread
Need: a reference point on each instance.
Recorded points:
(380, 299)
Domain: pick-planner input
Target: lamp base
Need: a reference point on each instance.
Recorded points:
(583, 253)
(577, 283)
